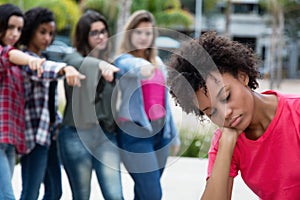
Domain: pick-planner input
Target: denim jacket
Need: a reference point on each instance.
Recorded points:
(132, 104)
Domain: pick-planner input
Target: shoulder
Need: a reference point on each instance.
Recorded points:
(123, 57)
(74, 54)
(282, 95)
(161, 64)
(292, 101)
(4, 50)
(127, 60)
(71, 56)
(159, 60)
(288, 98)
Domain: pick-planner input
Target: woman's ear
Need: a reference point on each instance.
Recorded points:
(243, 78)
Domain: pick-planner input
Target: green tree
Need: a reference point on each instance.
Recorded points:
(66, 12)
(109, 9)
(168, 13)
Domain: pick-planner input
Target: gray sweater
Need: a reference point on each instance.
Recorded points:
(81, 108)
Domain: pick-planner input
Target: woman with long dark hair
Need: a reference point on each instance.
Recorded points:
(87, 139)
(12, 115)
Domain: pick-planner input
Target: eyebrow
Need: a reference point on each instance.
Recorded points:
(204, 109)
(96, 29)
(219, 93)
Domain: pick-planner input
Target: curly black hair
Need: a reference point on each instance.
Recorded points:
(33, 18)
(196, 58)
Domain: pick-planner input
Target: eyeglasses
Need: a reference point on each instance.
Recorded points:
(97, 33)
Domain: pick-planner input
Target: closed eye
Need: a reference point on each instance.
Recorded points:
(210, 112)
(213, 112)
(226, 99)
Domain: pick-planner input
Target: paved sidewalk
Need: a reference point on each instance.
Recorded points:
(291, 86)
(184, 178)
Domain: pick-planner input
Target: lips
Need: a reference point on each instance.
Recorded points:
(12, 42)
(235, 121)
(44, 45)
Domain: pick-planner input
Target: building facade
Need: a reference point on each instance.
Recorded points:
(250, 24)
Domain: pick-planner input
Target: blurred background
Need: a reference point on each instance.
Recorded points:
(270, 27)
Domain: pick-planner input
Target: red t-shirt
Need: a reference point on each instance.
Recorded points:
(270, 165)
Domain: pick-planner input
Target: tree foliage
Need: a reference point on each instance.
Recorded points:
(109, 9)
(168, 13)
(66, 12)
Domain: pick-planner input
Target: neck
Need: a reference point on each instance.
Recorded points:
(140, 53)
(34, 50)
(264, 111)
(95, 54)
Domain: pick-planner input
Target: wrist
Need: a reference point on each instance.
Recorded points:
(30, 59)
(103, 65)
(228, 138)
(63, 70)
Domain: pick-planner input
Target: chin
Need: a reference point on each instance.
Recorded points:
(100, 48)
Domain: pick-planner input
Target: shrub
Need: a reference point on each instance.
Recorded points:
(196, 142)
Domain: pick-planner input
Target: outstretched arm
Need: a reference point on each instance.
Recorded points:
(20, 58)
(78, 61)
(131, 66)
(219, 185)
(73, 77)
(108, 70)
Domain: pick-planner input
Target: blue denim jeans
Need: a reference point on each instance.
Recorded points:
(33, 166)
(82, 151)
(144, 157)
(7, 164)
(52, 179)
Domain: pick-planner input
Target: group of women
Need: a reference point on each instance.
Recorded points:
(121, 112)
(93, 133)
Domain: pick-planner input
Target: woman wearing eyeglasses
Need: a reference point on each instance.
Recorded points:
(87, 138)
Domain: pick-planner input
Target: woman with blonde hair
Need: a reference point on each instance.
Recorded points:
(146, 126)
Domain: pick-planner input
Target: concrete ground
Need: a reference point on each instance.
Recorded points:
(184, 178)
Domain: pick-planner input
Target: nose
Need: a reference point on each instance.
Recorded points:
(227, 112)
(101, 35)
(16, 32)
(48, 37)
(144, 36)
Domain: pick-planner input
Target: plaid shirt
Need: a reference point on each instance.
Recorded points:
(12, 115)
(37, 118)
